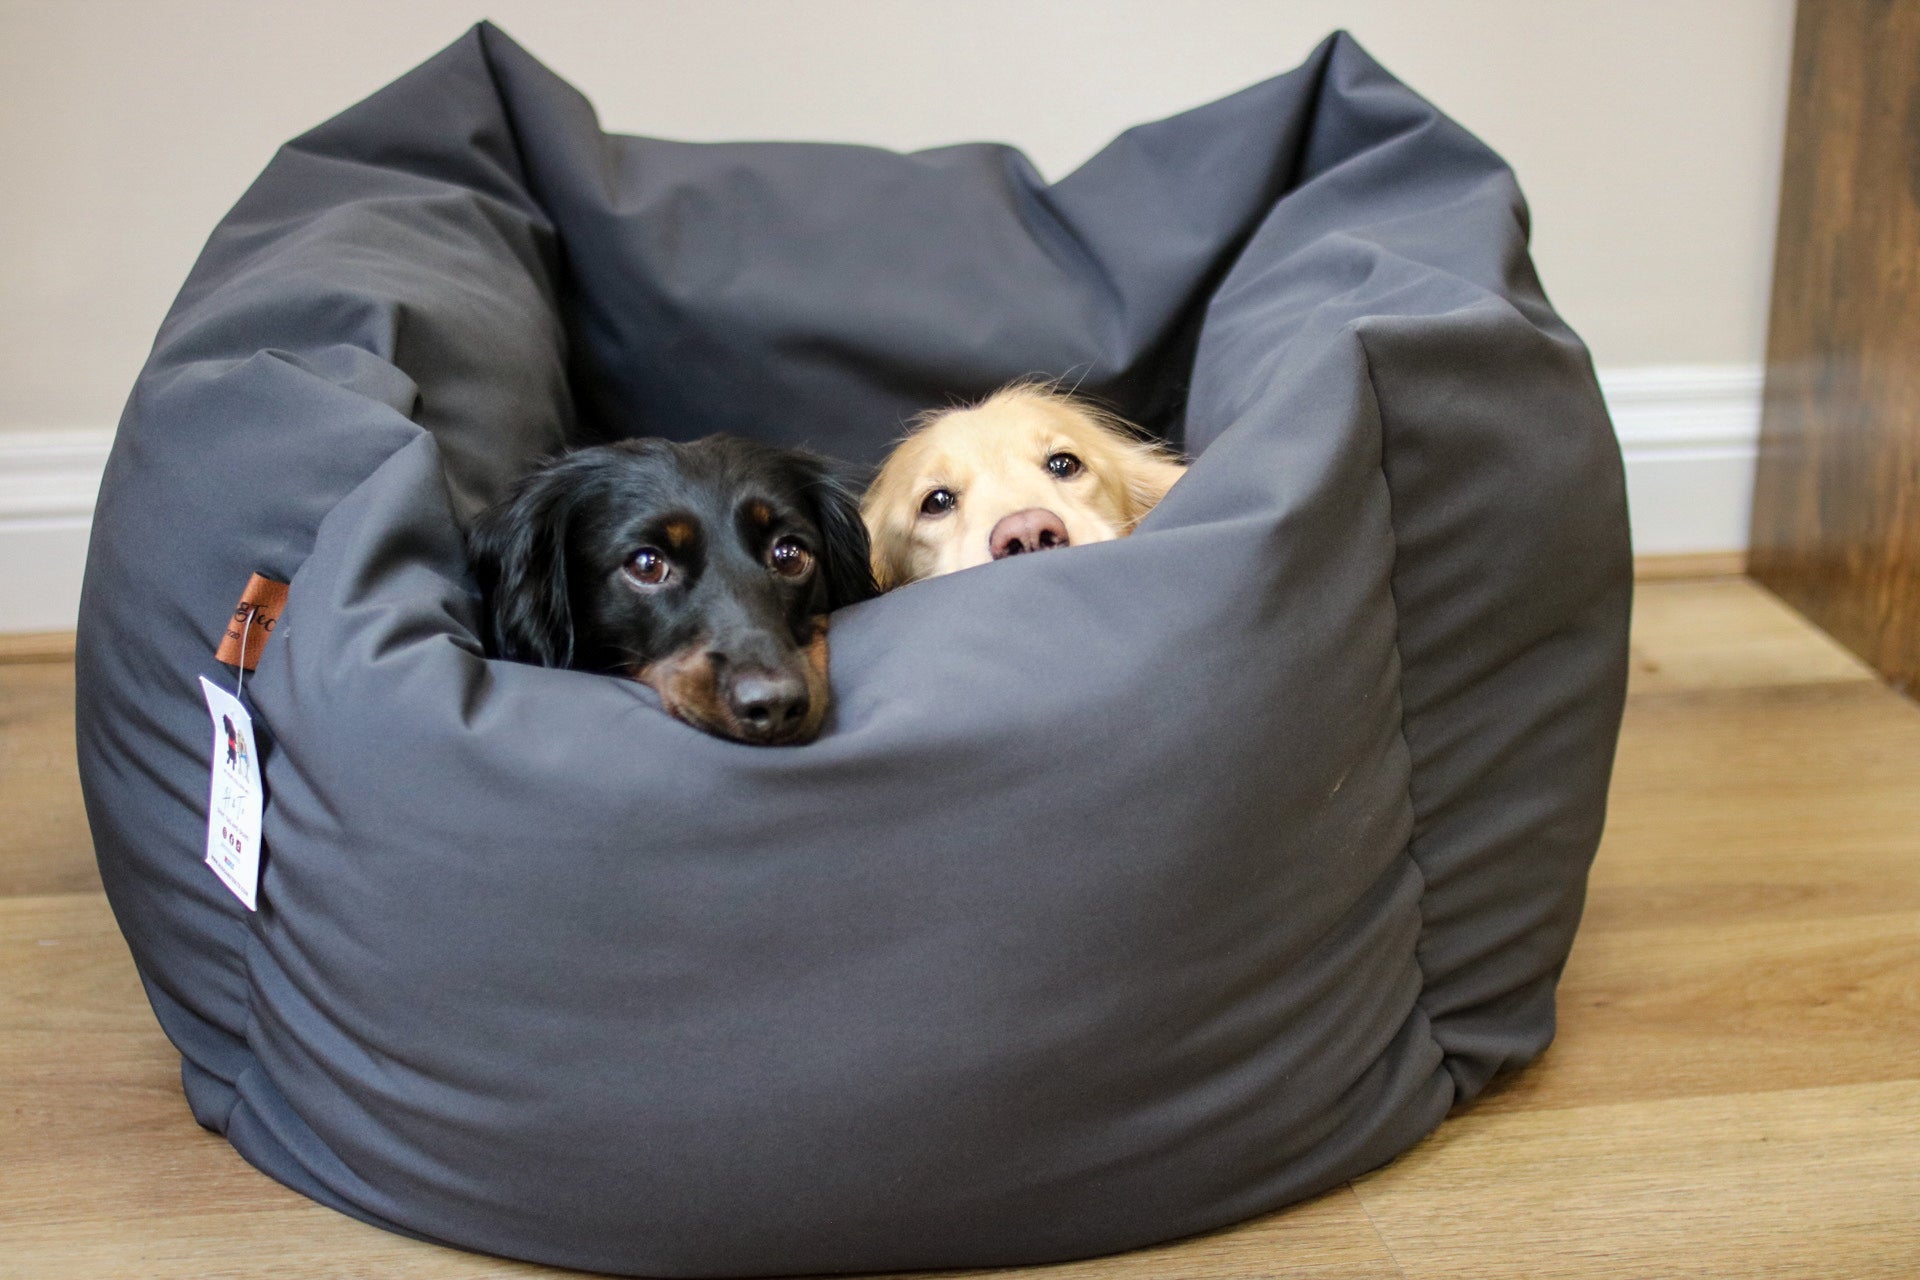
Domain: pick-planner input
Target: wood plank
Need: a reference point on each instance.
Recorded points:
(1327, 1238)
(36, 646)
(1836, 514)
(46, 847)
(209, 1237)
(1799, 1183)
(1690, 565)
(1726, 633)
(1787, 804)
(1695, 1012)
(1760, 871)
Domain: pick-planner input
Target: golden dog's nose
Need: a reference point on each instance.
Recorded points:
(1035, 529)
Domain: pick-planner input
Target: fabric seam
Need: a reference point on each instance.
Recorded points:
(1400, 687)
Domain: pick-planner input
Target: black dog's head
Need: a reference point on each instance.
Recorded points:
(705, 570)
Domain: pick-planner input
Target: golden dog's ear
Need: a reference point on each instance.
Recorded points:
(881, 511)
(889, 569)
(1149, 474)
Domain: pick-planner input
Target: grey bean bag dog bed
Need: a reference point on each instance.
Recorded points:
(1132, 890)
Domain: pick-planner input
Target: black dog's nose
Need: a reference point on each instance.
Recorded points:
(770, 705)
(1035, 529)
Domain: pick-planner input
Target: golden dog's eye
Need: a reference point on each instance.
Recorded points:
(649, 567)
(789, 559)
(937, 503)
(1064, 466)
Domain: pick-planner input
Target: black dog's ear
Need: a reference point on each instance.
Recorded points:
(519, 552)
(845, 556)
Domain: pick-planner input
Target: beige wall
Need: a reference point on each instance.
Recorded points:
(1646, 132)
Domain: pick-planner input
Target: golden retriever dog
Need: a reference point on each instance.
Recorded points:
(1030, 468)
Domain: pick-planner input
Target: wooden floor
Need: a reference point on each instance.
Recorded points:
(1735, 1091)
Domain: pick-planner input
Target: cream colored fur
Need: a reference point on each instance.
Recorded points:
(992, 457)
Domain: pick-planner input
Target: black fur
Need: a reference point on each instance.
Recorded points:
(550, 557)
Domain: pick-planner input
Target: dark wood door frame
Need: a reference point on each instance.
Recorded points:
(1836, 515)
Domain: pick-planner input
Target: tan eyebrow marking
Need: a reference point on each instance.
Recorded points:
(679, 532)
(760, 513)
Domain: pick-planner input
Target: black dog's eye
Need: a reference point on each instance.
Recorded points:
(1064, 466)
(789, 559)
(649, 567)
(937, 503)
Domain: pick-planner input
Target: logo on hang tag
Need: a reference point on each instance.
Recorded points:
(252, 623)
(234, 803)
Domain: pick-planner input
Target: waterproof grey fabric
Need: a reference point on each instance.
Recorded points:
(1132, 890)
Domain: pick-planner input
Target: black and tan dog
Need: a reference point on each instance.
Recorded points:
(704, 570)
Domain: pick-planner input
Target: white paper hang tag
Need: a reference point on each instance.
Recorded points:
(233, 806)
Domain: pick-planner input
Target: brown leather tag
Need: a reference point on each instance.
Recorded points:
(252, 623)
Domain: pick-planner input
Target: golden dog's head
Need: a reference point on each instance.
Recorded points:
(1030, 468)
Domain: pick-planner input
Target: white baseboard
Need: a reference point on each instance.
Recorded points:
(1689, 434)
(48, 480)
